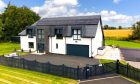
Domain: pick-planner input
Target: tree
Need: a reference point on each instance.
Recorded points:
(1, 28)
(106, 27)
(136, 31)
(113, 28)
(15, 19)
(120, 27)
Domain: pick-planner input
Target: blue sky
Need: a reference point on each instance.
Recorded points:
(114, 12)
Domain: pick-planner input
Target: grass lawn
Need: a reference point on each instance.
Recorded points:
(7, 48)
(19, 76)
(123, 44)
(103, 61)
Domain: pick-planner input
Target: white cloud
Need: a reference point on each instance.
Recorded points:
(53, 8)
(2, 6)
(65, 2)
(115, 17)
(116, 1)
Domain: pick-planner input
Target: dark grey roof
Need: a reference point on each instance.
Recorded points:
(91, 20)
(23, 33)
(89, 31)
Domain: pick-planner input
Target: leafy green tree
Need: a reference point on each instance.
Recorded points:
(1, 29)
(15, 19)
(120, 27)
(136, 31)
(106, 27)
(113, 28)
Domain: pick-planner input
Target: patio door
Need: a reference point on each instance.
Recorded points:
(40, 47)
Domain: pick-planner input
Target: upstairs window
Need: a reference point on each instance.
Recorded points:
(59, 33)
(30, 33)
(76, 34)
(40, 34)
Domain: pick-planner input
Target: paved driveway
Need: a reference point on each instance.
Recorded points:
(131, 54)
(72, 61)
(108, 80)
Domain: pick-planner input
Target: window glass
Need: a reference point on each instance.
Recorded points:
(30, 33)
(40, 34)
(59, 33)
(56, 45)
(79, 37)
(79, 31)
(75, 31)
(76, 34)
(31, 45)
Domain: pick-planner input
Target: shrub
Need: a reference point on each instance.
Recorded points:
(136, 32)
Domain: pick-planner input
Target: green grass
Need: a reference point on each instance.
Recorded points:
(134, 81)
(103, 61)
(8, 47)
(123, 44)
(20, 76)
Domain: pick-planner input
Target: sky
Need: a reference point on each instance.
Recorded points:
(114, 12)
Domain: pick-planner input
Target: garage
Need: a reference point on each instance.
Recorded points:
(78, 50)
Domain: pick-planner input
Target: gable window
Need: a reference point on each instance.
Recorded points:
(30, 33)
(31, 45)
(76, 34)
(40, 34)
(59, 33)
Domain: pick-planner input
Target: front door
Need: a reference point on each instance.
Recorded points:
(40, 47)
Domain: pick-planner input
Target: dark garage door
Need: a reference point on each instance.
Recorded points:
(78, 50)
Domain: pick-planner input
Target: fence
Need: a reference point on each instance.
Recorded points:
(129, 71)
(15, 39)
(74, 73)
(60, 70)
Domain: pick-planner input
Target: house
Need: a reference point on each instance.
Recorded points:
(78, 35)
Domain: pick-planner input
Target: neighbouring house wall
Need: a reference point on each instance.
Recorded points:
(97, 41)
(24, 42)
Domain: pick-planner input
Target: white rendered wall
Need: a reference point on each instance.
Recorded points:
(97, 41)
(24, 42)
(94, 43)
(61, 45)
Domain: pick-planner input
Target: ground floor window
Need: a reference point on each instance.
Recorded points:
(31, 45)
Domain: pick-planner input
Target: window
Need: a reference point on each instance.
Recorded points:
(59, 33)
(56, 45)
(31, 45)
(76, 34)
(40, 33)
(30, 33)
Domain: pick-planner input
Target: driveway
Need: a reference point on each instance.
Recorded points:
(108, 80)
(110, 53)
(71, 61)
(131, 54)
